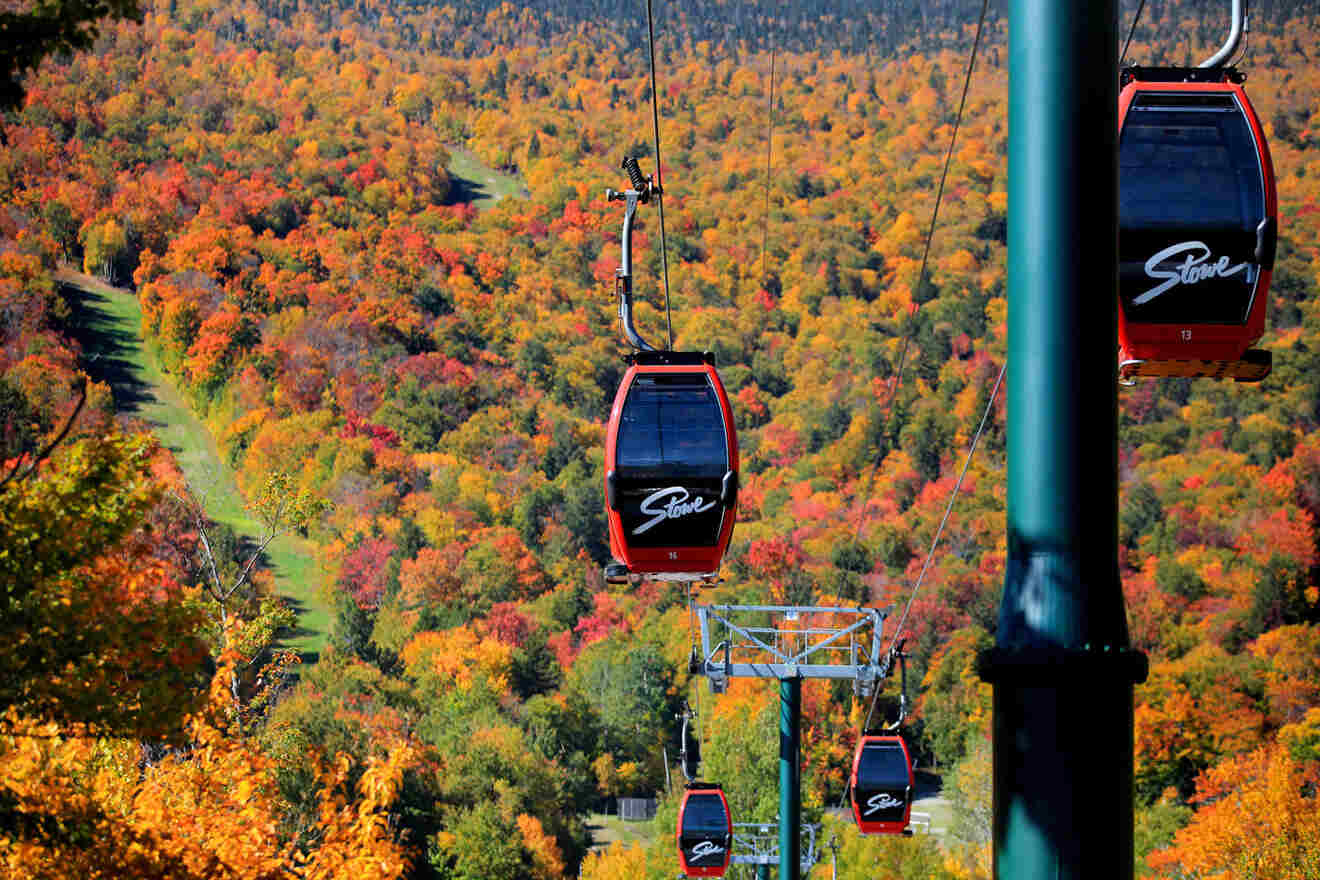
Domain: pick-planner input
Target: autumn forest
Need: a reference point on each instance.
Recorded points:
(413, 384)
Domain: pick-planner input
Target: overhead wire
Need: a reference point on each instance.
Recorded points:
(953, 139)
(769, 142)
(939, 532)
(994, 393)
(922, 277)
(1132, 30)
(1244, 45)
(765, 226)
(696, 713)
(953, 496)
(669, 323)
(925, 254)
(898, 377)
(1242, 53)
(659, 187)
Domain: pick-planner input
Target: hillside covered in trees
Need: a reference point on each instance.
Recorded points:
(421, 389)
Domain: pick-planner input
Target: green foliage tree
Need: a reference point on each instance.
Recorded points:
(1155, 827)
(741, 750)
(481, 844)
(60, 26)
(535, 669)
(95, 630)
(954, 705)
(23, 425)
(867, 857)
(630, 684)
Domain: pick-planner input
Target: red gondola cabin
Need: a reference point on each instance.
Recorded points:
(705, 831)
(881, 785)
(1198, 220)
(671, 469)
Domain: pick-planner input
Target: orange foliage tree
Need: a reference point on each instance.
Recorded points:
(1259, 818)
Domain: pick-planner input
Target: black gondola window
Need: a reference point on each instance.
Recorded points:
(672, 426)
(1189, 161)
(882, 782)
(1191, 197)
(705, 822)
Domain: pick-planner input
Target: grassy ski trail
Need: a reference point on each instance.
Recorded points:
(109, 325)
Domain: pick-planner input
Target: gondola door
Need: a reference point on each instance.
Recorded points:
(671, 469)
(882, 785)
(1197, 225)
(705, 831)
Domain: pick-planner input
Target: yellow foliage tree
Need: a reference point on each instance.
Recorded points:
(103, 245)
(98, 808)
(619, 862)
(460, 657)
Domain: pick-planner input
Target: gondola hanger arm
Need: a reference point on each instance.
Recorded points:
(640, 192)
(1237, 28)
(897, 652)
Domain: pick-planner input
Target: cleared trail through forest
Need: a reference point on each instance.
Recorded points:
(108, 323)
(472, 181)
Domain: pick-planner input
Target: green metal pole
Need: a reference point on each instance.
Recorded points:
(790, 778)
(1062, 667)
